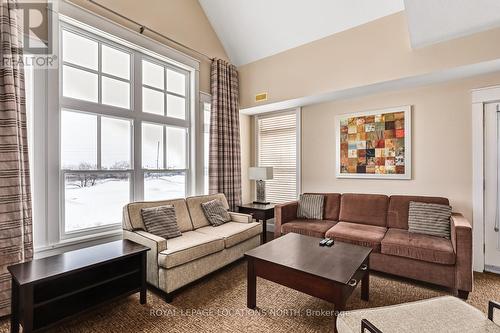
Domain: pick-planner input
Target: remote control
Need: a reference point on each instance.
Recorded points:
(329, 243)
(324, 241)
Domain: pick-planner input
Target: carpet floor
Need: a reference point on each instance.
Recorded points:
(218, 304)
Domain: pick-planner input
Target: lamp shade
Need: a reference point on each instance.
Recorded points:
(260, 173)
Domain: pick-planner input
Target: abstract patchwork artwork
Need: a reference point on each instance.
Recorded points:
(374, 144)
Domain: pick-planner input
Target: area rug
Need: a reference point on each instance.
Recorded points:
(218, 304)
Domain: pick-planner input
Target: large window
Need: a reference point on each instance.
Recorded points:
(277, 147)
(125, 128)
(164, 161)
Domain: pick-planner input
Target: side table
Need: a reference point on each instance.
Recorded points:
(259, 212)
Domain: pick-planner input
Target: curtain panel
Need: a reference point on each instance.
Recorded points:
(15, 194)
(224, 152)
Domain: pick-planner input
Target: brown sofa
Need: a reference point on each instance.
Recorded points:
(381, 222)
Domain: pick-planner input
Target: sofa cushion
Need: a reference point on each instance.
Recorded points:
(197, 214)
(364, 208)
(132, 219)
(399, 242)
(359, 234)
(311, 206)
(161, 221)
(397, 215)
(188, 247)
(215, 212)
(233, 233)
(331, 206)
(314, 228)
(429, 219)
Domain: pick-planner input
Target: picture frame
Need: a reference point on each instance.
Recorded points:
(374, 144)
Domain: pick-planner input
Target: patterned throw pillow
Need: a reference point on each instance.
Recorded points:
(161, 221)
(215, 212)
(430, 219)
(311, 206)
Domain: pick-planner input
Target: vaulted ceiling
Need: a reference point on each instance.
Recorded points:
(254, 29)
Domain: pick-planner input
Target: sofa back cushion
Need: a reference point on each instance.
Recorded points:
(397, 215)
(364, 208)
(132, 219)
(331, 206)
(196, 211)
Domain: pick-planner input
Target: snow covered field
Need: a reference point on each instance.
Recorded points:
(102, 203)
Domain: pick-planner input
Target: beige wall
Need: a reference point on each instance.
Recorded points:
(374, 52)
(181, 20)
(441, 143)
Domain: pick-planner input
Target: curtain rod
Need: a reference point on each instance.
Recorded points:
(143, 28)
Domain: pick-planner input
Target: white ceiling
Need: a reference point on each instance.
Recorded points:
(253, 29)
(433, 21)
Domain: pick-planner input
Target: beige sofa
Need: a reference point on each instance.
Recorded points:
(201, 249)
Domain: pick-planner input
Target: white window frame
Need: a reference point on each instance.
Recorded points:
(135, 114)
(480, 97)
(204, 98)
(52, 234)
(298, 112)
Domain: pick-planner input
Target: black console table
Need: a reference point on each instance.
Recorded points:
(46, 291)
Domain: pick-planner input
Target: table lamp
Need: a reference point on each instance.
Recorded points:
(260, 174)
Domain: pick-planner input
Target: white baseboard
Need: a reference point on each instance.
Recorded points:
(492, 269)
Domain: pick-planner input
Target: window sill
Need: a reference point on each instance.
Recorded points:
(75, 243)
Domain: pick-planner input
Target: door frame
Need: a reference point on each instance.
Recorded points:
(480, 97)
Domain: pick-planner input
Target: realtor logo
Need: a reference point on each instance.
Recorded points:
(36, 23)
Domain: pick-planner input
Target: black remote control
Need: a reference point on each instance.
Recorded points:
(329, 243)
(324, 241)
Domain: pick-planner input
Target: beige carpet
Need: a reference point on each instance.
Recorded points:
(218, 304)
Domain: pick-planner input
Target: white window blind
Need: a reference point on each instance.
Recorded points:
(277, 148)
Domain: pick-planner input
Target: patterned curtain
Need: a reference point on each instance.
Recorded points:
(15, 197)
(224, 156)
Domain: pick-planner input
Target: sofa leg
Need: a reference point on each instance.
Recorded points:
(463, 294)
(168, 297)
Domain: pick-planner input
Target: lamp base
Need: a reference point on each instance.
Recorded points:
(261, 193)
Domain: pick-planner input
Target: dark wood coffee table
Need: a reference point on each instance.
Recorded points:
(298, 262)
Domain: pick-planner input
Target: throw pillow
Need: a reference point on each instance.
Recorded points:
(215, 212)
(430, 219)
(161, 221)
(311, 206)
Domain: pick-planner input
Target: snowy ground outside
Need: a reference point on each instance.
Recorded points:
(102, 203)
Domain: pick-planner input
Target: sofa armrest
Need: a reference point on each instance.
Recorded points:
(461, 239)
(284, 213)
(240, 218)
(156, 244)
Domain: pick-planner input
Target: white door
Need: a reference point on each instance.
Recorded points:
(492, 187)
